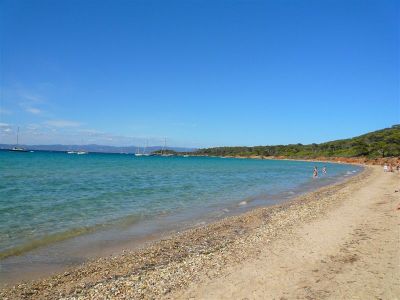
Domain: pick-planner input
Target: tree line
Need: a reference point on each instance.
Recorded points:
(381, 143)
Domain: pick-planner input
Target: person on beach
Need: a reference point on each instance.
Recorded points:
(315, 173)
(324, 170)
(385, 168)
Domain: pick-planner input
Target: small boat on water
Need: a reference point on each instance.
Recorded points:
(164, 151)
(80, 150)
(144, 153)
(17, 148)
(137, 153)
(77, 152)
(167, 154)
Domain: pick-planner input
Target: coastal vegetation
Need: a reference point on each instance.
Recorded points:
(380, 143)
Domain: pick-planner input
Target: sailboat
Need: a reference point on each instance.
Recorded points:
(137, 153)
(80, 152)
(17, 148)
(145, 149)
(77, 152)
(144, 153)
(163, 152)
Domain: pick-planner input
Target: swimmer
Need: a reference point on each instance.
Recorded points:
(315, 172)
(324, 170)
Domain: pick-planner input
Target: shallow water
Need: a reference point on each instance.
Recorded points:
(51, 203)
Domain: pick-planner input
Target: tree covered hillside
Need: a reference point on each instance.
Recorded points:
(381, 143)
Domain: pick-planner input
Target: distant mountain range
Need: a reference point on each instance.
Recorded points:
(95, 148)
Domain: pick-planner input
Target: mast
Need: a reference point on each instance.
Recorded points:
(17, 136)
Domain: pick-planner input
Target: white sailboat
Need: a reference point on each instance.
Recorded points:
(144, 152)
(17, 148)
(163, 152)
(145, 149)
(79, 152)
(137, 153)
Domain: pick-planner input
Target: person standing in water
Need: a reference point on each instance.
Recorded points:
(324, 170)
(315, 173)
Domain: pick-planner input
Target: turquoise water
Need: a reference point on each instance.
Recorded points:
(47, 197)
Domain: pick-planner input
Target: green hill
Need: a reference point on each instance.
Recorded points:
(380, 143)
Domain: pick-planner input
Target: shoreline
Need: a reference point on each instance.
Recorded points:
(346, 248)
(113, 240)
(191, 248)
(359, 161)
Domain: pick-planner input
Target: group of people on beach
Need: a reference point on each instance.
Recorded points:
(315, 172)
(391, 168)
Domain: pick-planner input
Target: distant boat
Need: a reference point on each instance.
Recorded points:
(164, 151)
(144, 153)
(186, 155)
(164, 148)
(80, 152)
(77, 152)
(17, 148)
(145, 149)
(137, 153)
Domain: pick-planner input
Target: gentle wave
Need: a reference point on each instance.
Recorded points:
(46, 240)
(68, 234)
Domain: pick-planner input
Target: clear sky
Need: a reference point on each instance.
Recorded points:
(201, 73)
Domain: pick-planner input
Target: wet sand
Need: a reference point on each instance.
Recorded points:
(341, 241)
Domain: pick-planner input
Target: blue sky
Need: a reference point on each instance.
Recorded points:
(201, 73)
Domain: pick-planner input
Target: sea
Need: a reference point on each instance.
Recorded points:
(59, 209)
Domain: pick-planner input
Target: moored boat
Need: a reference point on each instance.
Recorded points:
(17, 148)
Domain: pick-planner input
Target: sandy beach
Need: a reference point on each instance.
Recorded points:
(339, 242)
